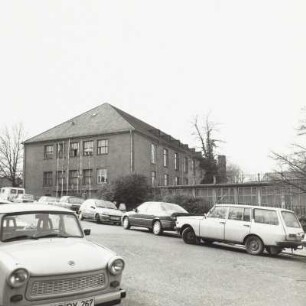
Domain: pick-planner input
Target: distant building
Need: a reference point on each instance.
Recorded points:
(100, 145)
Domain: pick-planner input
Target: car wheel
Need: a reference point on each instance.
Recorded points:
(126, 223)
(81, 216)
(157, 228)
(189, 236)
(273, 251)
(97, 218)
(254, 245)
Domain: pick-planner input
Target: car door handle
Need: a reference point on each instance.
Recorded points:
(222, 222)
(246, 225)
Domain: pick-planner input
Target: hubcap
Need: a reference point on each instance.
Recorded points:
(254, 245)
(126, 222)
(156, 227)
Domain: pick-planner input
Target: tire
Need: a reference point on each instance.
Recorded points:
(189, 236)
(97, 218)
(254, 245)
(157, 228)
(273, 251)
(81, 216)
(126, 223)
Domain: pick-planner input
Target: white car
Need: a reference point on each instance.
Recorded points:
(48, 200)
(256, 227)
(101, 211)
(45, 260)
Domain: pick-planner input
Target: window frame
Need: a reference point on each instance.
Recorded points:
(88, 151)
(102, 149)
(48, 154)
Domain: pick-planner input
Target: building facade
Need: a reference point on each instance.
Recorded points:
(81, 155)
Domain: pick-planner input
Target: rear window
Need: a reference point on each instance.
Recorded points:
(265, 216)
(290, 219)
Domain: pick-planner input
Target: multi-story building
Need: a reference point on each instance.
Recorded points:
(98, 146)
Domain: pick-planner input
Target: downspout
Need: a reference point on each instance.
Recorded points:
(131, 152)
(24, 165)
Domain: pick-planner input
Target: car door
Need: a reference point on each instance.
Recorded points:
(138, 215)
(238, 224)
(153, 210)
(213, 225)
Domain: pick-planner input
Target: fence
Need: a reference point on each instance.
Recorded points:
(252, 193)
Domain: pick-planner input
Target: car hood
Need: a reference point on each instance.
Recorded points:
(190, 217)
(109, 211)
(56, 255)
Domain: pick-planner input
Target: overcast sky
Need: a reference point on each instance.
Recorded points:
(164, 62)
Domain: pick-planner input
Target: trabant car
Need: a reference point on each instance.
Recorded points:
(101, 211)
(45, 260)
(256, 227)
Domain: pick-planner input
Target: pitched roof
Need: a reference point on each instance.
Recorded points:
(102, 119)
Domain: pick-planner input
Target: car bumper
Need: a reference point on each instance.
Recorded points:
(290, 244)
(106, 299)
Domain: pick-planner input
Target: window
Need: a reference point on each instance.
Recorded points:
(48, 152)
(165, 157)
(153, 178)
(60, 177)
(153, 153)
(47, 180)
(176, 180)
(143, 207)
(236, 213)
(185, 181)
(166, 179)
(186, 164)
(218, 212)
(290, 219)
(102, 146)
(74, 149)
(176, 161)
(87, 176)
(265, 216)
(88, 148)
(101, 176)
(60, 150)
(193, 167)
(73, 177)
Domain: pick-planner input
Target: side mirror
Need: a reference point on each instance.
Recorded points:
(135, 209)
(87, 231)
(205, 216)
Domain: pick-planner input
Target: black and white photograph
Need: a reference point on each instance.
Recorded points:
(153, 153)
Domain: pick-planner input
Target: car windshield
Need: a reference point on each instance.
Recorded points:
(290, 219)
(36, 225)
(105, 204)
(172, 208)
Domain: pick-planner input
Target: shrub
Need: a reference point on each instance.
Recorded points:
(131, 189)
(195, 206)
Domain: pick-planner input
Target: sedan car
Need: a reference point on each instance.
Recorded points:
(156, 216)
(70, 202)
(48, 200)
(46, 260)
(101, 211)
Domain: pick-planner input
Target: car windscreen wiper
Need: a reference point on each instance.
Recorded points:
(51, 235)
(19, 238)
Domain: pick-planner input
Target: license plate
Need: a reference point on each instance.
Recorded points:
(83, 302)
(115, 218)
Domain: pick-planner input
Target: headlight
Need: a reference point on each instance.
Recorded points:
(116, 265)
(18, 278)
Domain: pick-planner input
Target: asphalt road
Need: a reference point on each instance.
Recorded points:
(163, 270)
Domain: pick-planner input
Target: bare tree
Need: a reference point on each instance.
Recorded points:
(292, 167)
(11, 153)
(205, 135)
(234, 174)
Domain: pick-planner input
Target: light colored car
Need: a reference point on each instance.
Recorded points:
(256, 227)
(100, 211)
(70, 202)
(45, 260)
(47, 200)
(24, 198)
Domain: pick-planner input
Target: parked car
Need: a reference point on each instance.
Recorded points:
(24, 198)
(46, 260)
(256, 227)
(70, 202)
(10, 193)
(100, 211)
(2, 201)
(156, 216)
(48, 200)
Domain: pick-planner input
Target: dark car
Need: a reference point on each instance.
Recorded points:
(156, 216)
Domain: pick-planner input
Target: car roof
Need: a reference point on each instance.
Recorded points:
(25, 207)
(253, 206)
